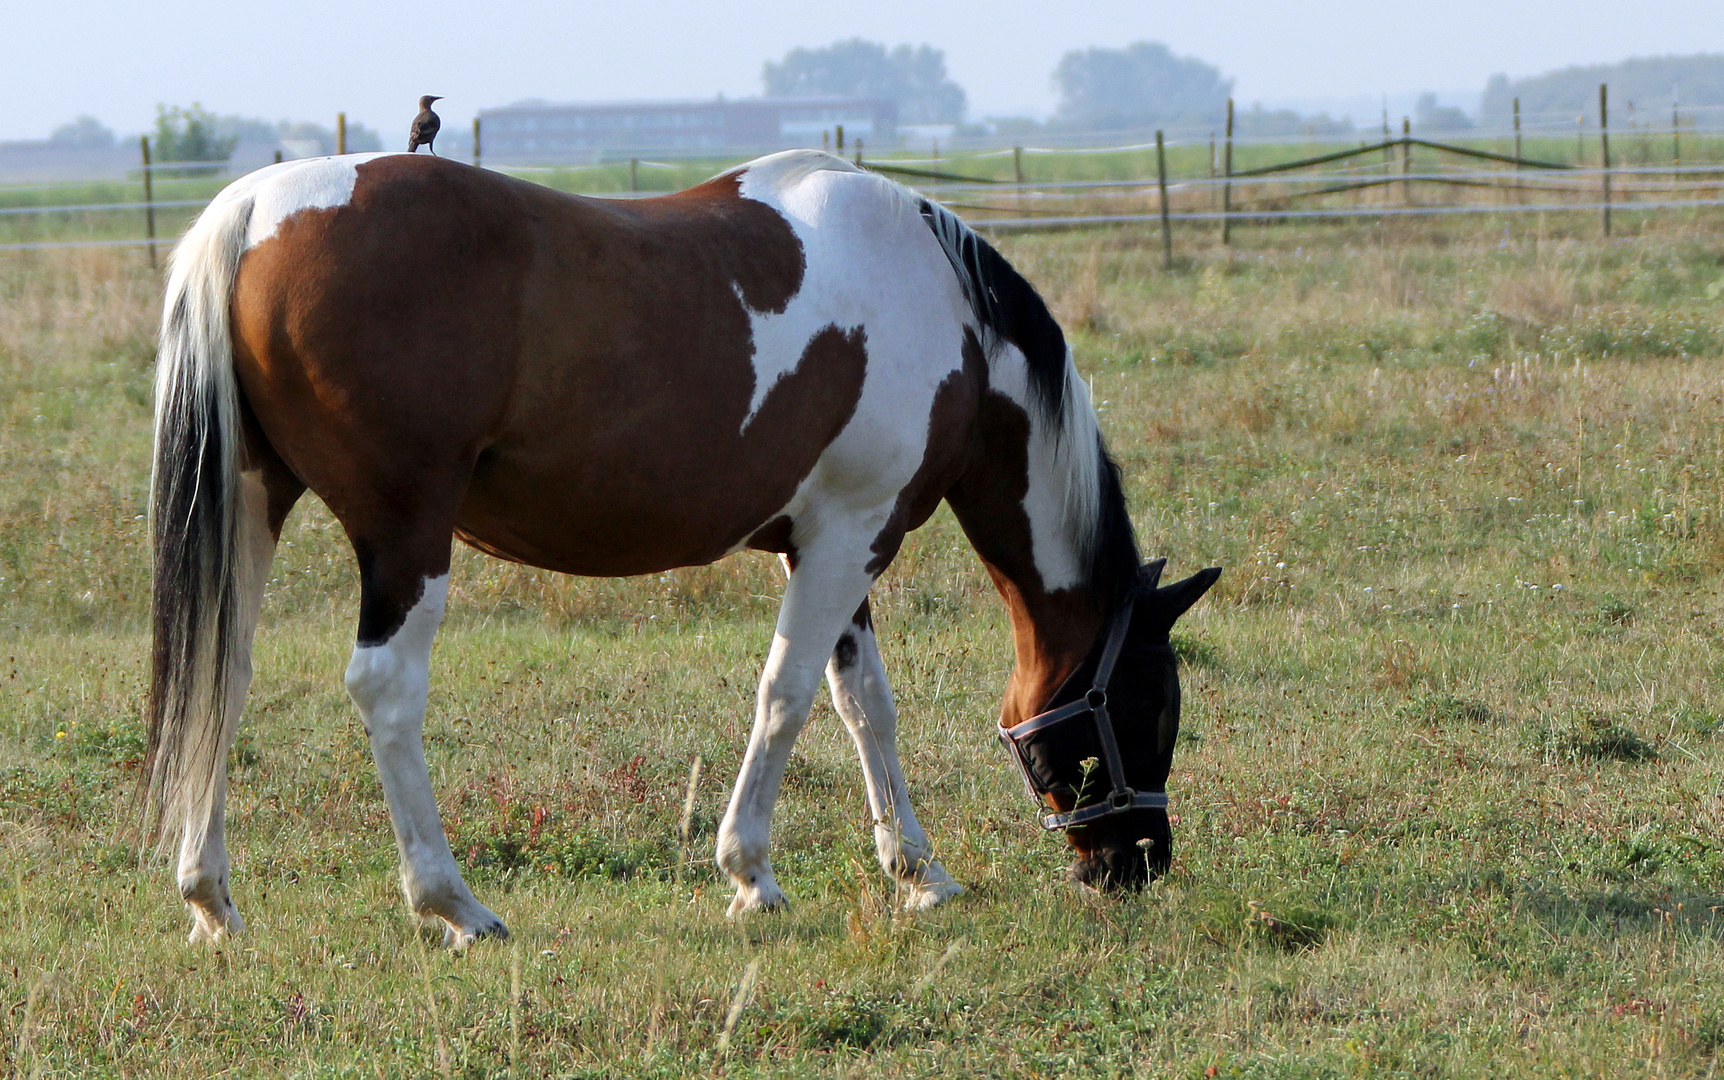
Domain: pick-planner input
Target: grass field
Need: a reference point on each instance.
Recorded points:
(1449, 791)
(20, 224)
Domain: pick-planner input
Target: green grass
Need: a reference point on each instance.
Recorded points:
(1449, 784)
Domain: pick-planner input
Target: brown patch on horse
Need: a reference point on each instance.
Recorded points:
(774, 536)
(1052, 632)
(557, 380)
(701, 488)
(281, 488)
(769, 278)
(950, 447)
(368, 339)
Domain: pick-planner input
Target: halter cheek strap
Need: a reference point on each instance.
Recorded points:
(1121, 798)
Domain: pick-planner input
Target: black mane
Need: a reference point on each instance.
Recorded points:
(1010, 309)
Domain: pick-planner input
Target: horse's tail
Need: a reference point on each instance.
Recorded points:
(194, 517)
(1009, 310)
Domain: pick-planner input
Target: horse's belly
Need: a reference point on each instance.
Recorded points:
(597, 531)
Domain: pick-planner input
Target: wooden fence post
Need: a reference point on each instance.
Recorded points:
(634, 174)
(1388, 148)
(858, 153)
(1227, 181)
(1211, 191)
(341, 133)
(1018, 177)
(149, 199)
(1406, 159)
(477, 157)
(1675, 134)
(1519, 195)
(840, 140)
(1161, 183)
(1604, 147)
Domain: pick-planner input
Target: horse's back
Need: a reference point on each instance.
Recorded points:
(622, 385)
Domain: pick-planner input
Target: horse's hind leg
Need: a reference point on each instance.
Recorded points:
(403, 587)
(863, 699)
(265, 495)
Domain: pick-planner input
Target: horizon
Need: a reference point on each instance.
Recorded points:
(1334, 51)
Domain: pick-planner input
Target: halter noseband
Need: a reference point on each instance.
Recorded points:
(1121, 798)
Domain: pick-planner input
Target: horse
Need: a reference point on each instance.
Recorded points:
(797, 356)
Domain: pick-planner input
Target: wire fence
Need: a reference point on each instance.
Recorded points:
(1231, 181)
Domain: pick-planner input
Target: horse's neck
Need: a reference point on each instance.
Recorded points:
(1052, 633)
(1004, 503)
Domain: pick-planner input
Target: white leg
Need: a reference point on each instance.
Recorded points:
(863, 699)
(390, 683)
(203, 861)
(827, 584)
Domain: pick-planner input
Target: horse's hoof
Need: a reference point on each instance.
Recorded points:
(213, 929)
(457, 938)
(933, 893)
(750, 899)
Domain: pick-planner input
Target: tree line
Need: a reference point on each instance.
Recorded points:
(194, 133)
(1146, 85)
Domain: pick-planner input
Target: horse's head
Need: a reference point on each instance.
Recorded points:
(1100, 752)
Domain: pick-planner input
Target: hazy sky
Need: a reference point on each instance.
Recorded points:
(306, 59)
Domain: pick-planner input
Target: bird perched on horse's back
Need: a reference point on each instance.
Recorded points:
(425, 126)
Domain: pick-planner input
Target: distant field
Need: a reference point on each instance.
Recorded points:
(1450, 787)
(1191, 161)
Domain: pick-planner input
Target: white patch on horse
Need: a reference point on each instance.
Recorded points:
(390, 683)
(861, 238)
(1059, 523)
(871, 263)
(278, 192)
(779, 340)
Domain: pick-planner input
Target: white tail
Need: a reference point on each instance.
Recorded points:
(193, 518)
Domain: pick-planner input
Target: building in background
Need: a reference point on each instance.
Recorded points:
(540, 132)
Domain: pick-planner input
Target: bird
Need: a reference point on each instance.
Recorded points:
(425, 126)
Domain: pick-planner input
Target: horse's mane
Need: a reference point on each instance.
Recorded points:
(1010, 310)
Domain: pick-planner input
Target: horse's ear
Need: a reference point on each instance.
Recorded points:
(1165, 605)
(1149, 574)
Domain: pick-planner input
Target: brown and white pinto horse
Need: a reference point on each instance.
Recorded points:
(796, 356)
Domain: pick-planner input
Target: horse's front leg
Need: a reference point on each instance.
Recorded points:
(863, 699)
(390, 679)
(827, 581)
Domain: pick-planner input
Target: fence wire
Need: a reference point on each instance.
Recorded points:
(1260, 196)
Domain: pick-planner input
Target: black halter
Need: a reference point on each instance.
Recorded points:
(1121, 798)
